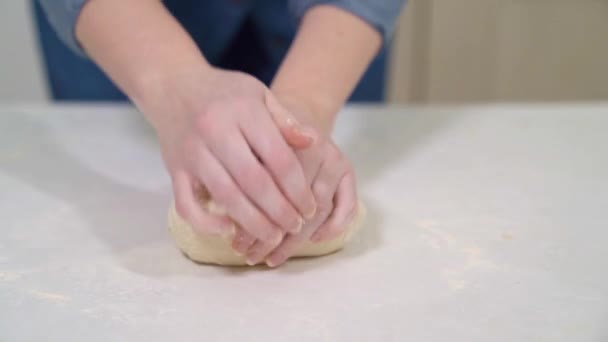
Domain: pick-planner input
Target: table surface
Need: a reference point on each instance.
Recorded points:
(486, 223)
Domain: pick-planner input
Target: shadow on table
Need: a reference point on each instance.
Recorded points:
(128, 220)
(131, 222)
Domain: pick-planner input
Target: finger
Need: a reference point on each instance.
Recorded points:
(259, 250)
(257, 184)
(280, 161)
(311, 164)
(325, 186)
(327, 180)
(292, 243)
(345, 209)
(242, 241)
(228, 195)
(294, 133)
(189, 207)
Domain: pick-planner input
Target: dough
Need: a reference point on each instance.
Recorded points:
(215, 249)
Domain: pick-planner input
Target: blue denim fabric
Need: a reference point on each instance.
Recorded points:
(225, 30)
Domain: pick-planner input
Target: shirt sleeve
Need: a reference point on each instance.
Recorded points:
(381, 14)
(62, 15)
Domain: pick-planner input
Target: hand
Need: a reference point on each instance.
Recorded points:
(332, 180)
(215, 131)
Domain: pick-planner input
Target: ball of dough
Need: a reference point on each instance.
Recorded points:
(216, 249)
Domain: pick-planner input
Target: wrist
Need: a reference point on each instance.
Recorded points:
(168, 87)
(160, 81)
(309, 112)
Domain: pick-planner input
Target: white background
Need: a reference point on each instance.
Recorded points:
(21, 75)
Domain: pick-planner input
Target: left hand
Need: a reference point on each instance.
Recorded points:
(332, 181)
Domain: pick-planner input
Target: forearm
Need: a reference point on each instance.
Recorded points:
(328, 57)
(137, 43)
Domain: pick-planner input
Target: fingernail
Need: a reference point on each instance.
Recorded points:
(250, 262)
(298, 227)
(242, 250)
(303, 131)
(271, 264)
(275, 238)
(251, 255)
(312, 212)
(275, 260)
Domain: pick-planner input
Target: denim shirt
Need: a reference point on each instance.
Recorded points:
(381, 14)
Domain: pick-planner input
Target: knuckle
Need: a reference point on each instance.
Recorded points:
(325, 208)
(321, 192)
(285, 163)
(326, 205)
(334, 153)
(253, 177)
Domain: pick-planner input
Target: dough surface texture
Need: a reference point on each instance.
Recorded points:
(216, 249)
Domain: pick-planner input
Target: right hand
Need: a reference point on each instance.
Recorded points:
(215, 131)
(330, 176)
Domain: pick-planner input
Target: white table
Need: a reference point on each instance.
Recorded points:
(485, 224)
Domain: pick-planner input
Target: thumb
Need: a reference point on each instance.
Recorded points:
(296, 135)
